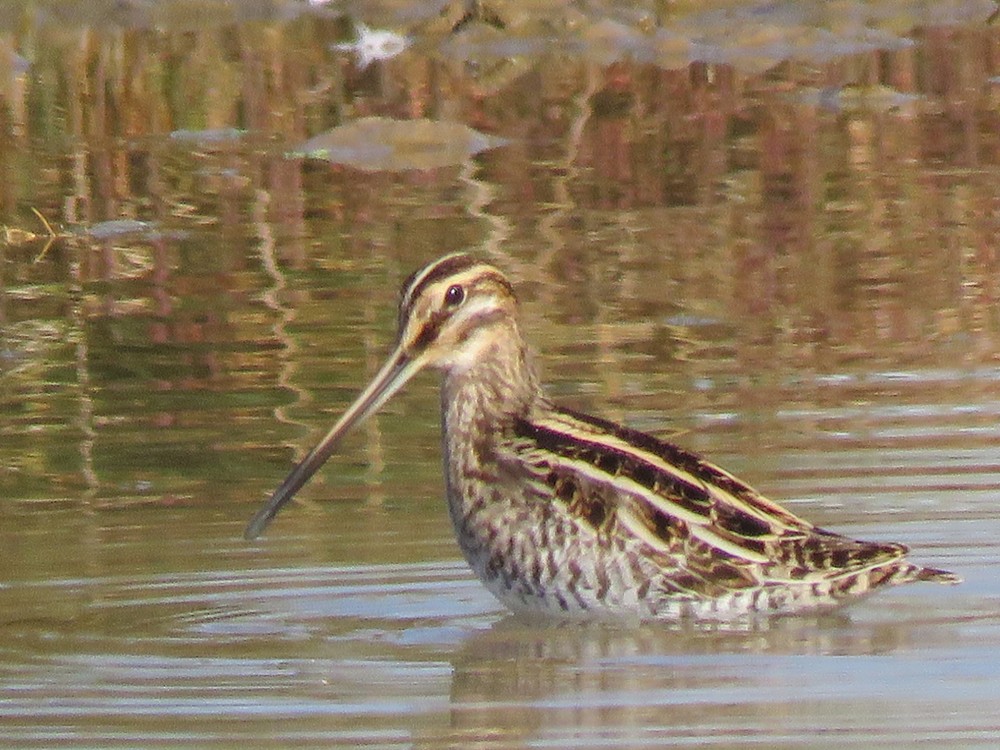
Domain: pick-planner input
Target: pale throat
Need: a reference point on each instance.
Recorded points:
(492, 382)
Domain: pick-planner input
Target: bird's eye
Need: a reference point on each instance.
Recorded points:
(454, 296)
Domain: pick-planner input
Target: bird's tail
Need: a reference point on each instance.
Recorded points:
(935, 575)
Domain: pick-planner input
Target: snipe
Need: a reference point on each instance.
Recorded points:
(563, 512)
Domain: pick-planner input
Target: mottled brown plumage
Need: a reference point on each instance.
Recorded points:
(562, 512)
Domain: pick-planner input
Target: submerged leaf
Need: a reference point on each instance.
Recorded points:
(210, 135)
(855, 98)
(379, 144)
(106, 230)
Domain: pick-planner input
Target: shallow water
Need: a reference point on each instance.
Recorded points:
(767, 231)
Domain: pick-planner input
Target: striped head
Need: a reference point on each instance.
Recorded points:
(450, 311)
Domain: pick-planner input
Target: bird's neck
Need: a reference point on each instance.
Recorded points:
(479, 406)
(498, 386)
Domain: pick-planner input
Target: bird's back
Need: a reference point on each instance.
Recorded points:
(582, 514)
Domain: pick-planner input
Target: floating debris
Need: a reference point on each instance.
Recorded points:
(380, 144)
(107, 230)
(689, 320)
(134, 229)
(19, 65)
(855, 98)
(210, 135)
(607, 41)
(486, 45)
(760, 48)
(374, 44)
(755, 37)
(15, 236)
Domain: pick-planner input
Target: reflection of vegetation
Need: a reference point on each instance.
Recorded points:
(728, 191)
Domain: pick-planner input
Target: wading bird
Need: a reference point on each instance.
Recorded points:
(561, 512)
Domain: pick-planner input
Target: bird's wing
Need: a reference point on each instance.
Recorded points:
(613, 478)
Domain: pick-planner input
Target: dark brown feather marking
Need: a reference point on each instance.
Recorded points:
(667, 527)
(478, 322)
(493, 277)
(730, 576)
(740, 522)
(603, 581)
(591, 507)
(431, 329)
(614, 462)
(536, 571)
(840, 558)
(687, 461)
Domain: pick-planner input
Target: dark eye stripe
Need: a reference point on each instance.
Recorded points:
(430, 330)
(418, 282)
(429, 333)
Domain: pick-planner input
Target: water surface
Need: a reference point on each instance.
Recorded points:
(767, 231)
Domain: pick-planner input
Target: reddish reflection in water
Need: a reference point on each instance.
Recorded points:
(767, 229)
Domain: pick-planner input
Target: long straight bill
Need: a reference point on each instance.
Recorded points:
(394, 374)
